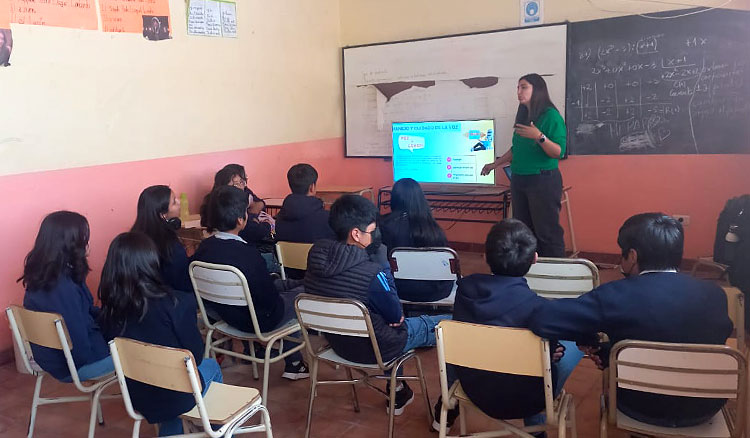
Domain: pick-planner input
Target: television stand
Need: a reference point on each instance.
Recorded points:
(491, 202)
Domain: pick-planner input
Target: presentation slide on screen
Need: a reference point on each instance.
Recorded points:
(443, 152)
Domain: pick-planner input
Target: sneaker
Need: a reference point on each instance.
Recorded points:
(404, 397)
(452, 415)
(296, 371)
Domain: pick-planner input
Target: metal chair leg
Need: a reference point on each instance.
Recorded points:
(354, 389)
(392, 398)
(426, 396)
(95, 412)
(572, 420)
(266, 421)
(254, 364)
(443, 421)
(266, 370)
(313, 384)
(35, 404)
(207, 350)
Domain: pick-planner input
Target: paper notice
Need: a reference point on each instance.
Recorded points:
(197, 17)
(213, 18)
(229, 19)
(79, 14)
(128, 16)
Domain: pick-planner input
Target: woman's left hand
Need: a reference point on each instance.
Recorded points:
(530, 131)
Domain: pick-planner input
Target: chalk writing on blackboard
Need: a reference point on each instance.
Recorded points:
(683, 89)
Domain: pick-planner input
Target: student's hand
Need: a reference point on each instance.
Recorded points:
(558, 353)
(398, 324)
(265, 217)
(530, 131)
(489, 167)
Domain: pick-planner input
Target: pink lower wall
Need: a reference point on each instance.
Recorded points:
(606, 190)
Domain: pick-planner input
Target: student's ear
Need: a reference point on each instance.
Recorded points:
(312, 190)
(633, 258)
(536, 257)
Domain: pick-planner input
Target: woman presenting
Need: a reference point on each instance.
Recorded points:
(538, 145)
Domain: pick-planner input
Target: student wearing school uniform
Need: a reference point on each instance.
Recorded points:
(410, 223)
(54, 275)
(539, 141)
(504, 299)
(260, 227)
(137, 304)
(158, 217)
(273, 301)
(653, 303)
(302, 217)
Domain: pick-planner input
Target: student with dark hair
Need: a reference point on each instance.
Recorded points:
(653, 303)
(504, 299)
(539, 142)
(54, 275)
(354, 267)
(302, 217)
(260, 225)
(410, 223)
(137, 304)
(273, 302)
(158, 217)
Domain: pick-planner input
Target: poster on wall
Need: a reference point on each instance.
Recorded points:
(79, 14)
(149, 17)
(212, 18)
(531, 12)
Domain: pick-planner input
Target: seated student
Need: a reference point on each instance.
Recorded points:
(260, 225)
(137, 304)
(344, 269)
(504, 299)
(158, 217)
(653, 303)
(54, 275)
(410, 223)
(302, 217)
(274, 303)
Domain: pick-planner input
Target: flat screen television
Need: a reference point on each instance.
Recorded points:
(444, 152)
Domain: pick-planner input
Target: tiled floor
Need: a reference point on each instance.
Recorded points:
(333, 415)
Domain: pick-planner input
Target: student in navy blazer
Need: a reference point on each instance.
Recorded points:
(158, 217)
(54, 275)
(504, 299)
(653, 303)
(137, 304)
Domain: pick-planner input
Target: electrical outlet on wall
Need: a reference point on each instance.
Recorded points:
(683, 218)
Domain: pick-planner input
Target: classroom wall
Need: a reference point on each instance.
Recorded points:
(88, 119)
(606, 189)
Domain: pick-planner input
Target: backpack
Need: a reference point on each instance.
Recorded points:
(732, 243)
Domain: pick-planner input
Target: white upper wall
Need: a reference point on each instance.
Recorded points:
(368, 21)
(77, 98)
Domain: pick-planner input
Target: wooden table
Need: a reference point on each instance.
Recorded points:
(330, 193)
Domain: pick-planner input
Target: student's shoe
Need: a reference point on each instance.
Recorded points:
(404, 396)
(296, 371)
(452, 415)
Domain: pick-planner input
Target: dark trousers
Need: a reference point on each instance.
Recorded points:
(536, 202)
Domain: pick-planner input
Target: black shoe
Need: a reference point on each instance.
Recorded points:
(452, 415)
(404, 397)
(296, 371)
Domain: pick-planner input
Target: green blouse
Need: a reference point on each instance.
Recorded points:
(528, 157)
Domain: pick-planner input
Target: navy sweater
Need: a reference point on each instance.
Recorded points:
(269, 306)
(505, 302)
(302, 219)
(174, 270)
(662, 307)
(169, 321)
(76, 305)
(396, 233)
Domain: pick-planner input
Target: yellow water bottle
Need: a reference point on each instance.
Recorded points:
(184, 209)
